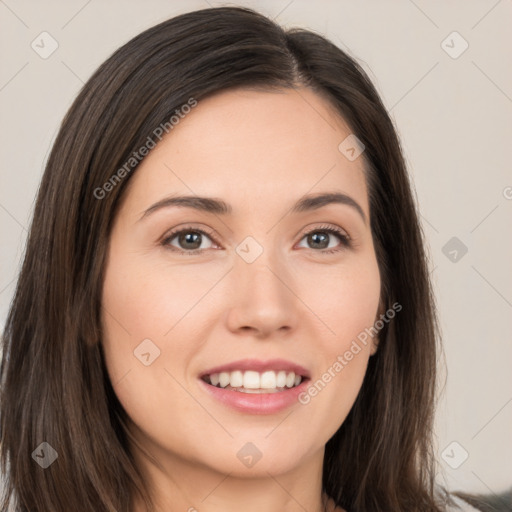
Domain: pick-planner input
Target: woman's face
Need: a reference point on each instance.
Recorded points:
(254, 293)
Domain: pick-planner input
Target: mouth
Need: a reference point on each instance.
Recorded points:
(254, 382)
(256, 387)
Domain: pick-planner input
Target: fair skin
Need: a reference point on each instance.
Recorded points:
(260, 152)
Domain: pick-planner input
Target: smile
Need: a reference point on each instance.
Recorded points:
(254, 382)
(255, 386)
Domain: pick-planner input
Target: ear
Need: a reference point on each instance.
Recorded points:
(376, 339)
(375, 345)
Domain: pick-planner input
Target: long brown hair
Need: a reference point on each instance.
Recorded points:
(55, 387)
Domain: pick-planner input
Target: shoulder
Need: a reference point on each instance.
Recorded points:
(449, 500)
(459, 505)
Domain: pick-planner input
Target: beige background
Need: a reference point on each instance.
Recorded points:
(453, 116)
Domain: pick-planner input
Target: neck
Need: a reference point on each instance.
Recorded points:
(178, 485)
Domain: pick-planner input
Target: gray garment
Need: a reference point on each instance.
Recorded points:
(460, 505)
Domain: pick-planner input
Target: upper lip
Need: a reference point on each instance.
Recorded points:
(259, 365)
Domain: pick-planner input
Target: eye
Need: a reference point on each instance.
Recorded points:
(189, 240)
(321, 238)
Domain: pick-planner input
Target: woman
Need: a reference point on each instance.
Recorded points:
(286, 359)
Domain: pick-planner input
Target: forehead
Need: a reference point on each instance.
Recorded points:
(247, 145)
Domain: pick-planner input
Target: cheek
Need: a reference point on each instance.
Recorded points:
(141, 305)
(348, 305)
(148, 297)
(345, 299)
(150, 308)
(357, 310)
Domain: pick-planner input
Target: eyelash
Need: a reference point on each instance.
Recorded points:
(344, 238)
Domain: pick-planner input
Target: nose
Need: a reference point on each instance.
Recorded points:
(263, 300)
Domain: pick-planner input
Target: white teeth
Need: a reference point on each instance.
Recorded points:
(236, 379)
(281, 379)
(223, 379)
(268, 380)
(251, 380)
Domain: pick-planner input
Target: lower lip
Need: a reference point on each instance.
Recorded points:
(256, 403)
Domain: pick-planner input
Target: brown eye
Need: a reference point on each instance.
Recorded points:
(324, 238)
(187, 240)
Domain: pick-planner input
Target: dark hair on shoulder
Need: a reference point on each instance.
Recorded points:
(55, 387)
(488, 502)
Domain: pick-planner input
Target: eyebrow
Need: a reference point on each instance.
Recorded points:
(220, 207)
